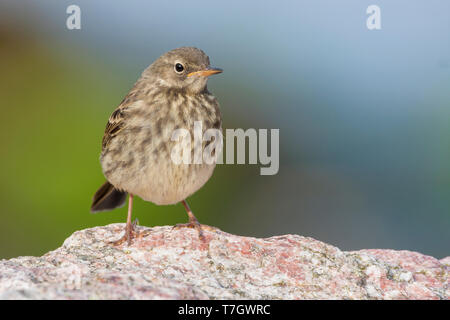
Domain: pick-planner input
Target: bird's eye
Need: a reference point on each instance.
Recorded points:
(179, 68)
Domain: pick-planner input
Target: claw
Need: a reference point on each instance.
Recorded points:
(192, 224)
(129, 235)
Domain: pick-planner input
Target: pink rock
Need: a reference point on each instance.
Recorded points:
(168, 263)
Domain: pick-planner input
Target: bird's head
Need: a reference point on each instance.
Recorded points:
(185, 68)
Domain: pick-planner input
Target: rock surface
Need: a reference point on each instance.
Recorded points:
(168, 263)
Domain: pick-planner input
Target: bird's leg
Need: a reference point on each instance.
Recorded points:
(193, 222)
(129, 229)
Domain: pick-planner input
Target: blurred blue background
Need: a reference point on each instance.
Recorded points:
(363, 116)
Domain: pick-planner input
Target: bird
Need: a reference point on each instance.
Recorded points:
(135, 157)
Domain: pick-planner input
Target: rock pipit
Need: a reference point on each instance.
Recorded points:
(136, 148)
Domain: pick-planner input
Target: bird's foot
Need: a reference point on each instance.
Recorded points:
(192, 224)
(130, 233)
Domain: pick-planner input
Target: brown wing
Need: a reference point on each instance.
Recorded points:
(115, 124)
(117, 120)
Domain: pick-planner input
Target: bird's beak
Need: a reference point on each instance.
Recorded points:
(205, 73)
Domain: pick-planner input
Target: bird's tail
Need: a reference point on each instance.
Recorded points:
(107, 198)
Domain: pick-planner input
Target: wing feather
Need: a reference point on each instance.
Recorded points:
(115, 124)
(117, 120)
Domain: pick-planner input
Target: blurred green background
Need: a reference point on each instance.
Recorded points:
(363, 117)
